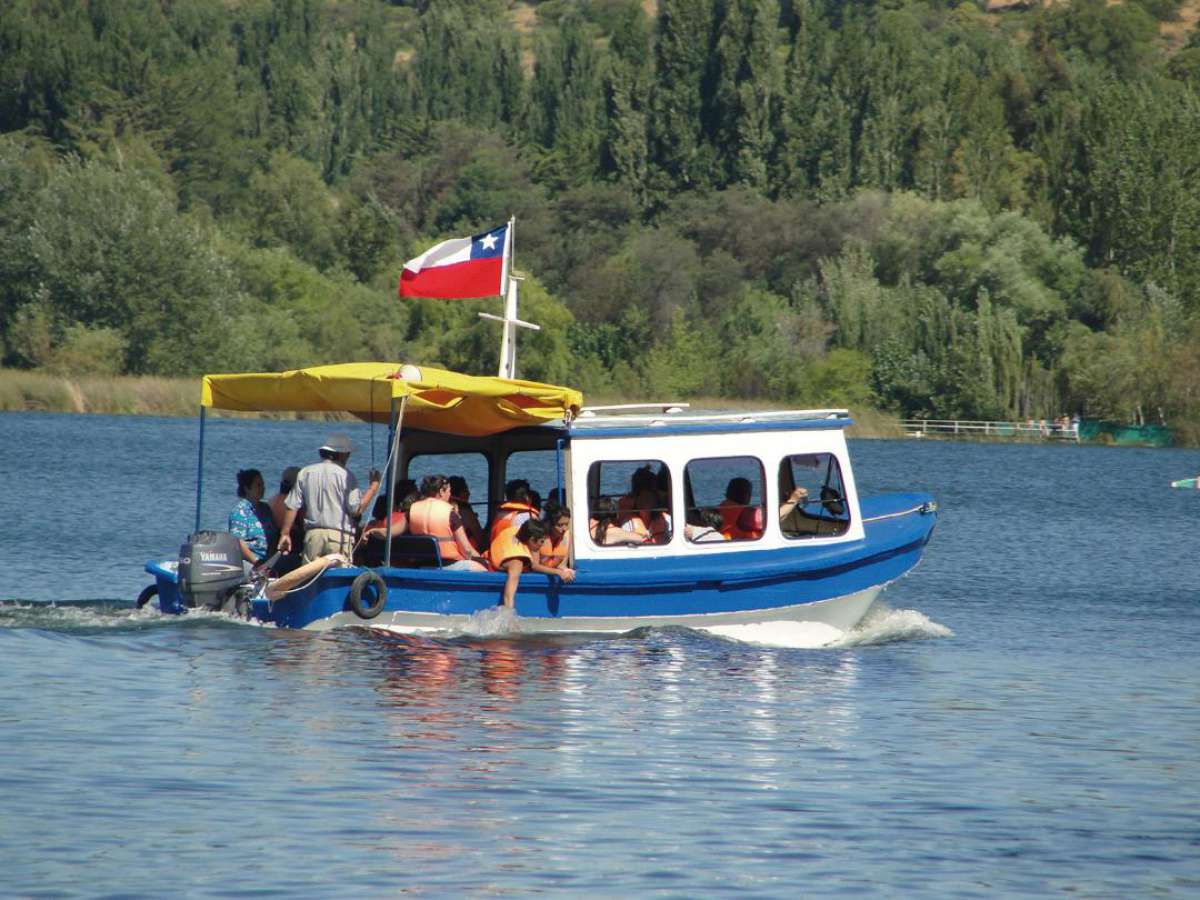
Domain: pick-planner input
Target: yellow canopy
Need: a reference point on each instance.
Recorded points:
(438, 400)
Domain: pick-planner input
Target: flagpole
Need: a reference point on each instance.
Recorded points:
(508, 335)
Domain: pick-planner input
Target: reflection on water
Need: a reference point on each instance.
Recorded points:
(1046, 746)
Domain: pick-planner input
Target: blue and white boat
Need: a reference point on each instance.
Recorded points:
(823, 562)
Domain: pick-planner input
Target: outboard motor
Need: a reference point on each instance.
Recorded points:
(210, 569)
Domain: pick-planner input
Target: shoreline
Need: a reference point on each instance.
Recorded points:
(30, 391)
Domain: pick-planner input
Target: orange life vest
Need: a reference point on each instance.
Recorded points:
(732, 525)
(506, 512)
(555, 555)
(399, 523)
(432, 516)
(505, 546)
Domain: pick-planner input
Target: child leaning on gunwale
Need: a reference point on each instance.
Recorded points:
(517, 550)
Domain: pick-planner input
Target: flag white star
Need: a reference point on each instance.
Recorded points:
(488, 241)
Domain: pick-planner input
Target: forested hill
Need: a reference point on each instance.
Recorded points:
(927, 207)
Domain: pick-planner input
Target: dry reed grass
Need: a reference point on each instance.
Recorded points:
(22, 390)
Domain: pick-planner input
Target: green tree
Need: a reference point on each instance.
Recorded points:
(683, 39)
(746, 83)
(290, 205)
(109, 250)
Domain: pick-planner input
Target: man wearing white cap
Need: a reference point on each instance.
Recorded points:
(328, 492)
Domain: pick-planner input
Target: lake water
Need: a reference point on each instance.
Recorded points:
(1020, 718)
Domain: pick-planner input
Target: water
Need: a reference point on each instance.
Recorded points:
(1021, 718)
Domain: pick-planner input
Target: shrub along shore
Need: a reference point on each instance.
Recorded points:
(25, 391)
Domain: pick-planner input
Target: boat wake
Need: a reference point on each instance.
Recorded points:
(498, 622)
(86, 616)
(881, 625)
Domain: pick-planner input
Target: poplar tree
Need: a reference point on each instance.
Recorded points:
(746, 83)
(626, 150)
(681, 54)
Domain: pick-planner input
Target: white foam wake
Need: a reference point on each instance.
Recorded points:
(495, 622)
(881, 625)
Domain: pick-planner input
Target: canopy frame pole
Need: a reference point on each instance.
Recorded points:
(558, 470)
(397, 419)
(200, 469)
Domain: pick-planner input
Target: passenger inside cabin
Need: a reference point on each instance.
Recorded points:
(705, 527)
(460, 496)
(250, 520)
(644, 512)
(519, 549)
(604, 524)
(739, 520)
(792, 518)
(279, 511)
(435, 515)
(802, 514)
(557, 548)
(403, 498)
(515, 509)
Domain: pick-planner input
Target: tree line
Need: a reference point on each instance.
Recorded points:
(920, 206)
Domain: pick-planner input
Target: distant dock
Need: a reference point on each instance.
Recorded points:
(969, 428)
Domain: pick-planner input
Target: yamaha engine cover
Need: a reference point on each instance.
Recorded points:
(210, 569)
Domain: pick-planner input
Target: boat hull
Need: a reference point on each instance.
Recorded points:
(832, 584)
(838, 612)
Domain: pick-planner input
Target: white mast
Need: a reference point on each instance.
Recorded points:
(509, 321)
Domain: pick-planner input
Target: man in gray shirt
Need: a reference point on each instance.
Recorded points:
(331, 500)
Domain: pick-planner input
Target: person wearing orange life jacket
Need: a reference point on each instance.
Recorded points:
(642, 514)
(739, 520)
(558, 535)
(435, 515)
(517, 550)
(515, 509)
(705, 527)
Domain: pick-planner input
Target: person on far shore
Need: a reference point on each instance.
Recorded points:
(332, 502)
(250, 519)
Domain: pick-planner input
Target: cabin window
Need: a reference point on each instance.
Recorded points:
(821, 510)
(539, 468)
(629, 502)
(473, 468)
(724, 499)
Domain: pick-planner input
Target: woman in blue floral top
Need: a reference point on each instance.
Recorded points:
(251, 521)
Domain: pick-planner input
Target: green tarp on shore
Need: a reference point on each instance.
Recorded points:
(1103, 431)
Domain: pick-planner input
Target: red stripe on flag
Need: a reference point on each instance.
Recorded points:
(460, 281)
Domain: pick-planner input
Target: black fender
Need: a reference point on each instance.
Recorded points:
(366, 608)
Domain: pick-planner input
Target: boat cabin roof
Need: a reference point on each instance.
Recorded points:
(430, 398)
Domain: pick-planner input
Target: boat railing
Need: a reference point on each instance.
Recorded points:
(1029, 430)
(588, 416)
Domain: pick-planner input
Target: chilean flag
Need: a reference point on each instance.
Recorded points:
(460, 268)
